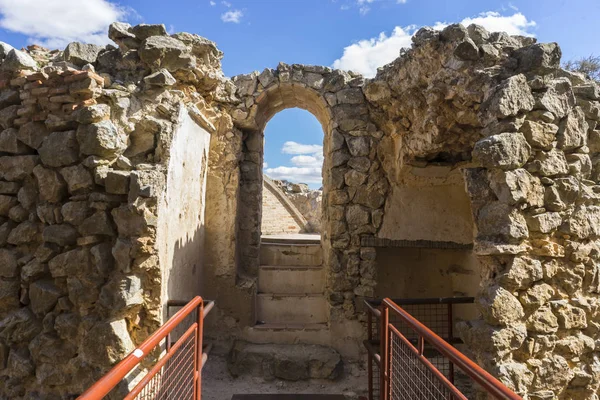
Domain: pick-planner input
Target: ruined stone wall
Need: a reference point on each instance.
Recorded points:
(308, 201)
(524, 133)
(96, 143)
(96, 149)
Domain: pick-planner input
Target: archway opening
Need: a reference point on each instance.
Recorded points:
(292, 175)
(269, 103)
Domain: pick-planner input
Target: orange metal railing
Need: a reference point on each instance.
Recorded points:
(177, 372)
(409, 355)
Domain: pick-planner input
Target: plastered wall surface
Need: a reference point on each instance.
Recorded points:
(428, 203)
(181, 227)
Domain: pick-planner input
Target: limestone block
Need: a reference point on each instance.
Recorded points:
(17, 168)
(166, 52)
(573, 130)
(33, 270)
(17, 60)
(569, 317)
(549, 163)
(558, 98)
(75, 212)
(552, 372)
(52, 187)
(8, 264)
(517, 186)
(61, 234)
(8, 115)
(101, 139)
(161, 78)
(6, 204)
(497, 219)
(117, 182)
(92, 114)
(467, 51)
(544, 222)
(19, 363)
(99, 223)
(59, 149)
(69, 263)
(539, 134)
(9, 142)
(144, 31)
(512, 96)
(490, 341)
(25, 232)
(354, 178)
(107, 342)
(520, 273)
(43, 295)
(542, 321)
(78, 178)
(504, 151)
(122, 293)
(499, 307)
(81, 54)
(541, 58)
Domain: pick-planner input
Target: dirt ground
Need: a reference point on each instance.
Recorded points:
(217, 384)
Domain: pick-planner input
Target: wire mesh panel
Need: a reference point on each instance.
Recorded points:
(168, 363)
(436, 317)
(173, 378)
(411, 377)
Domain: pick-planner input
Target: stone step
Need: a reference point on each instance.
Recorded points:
(291, 279)
(288, 334)
(290, 362)
(291, 309)
(291, 254)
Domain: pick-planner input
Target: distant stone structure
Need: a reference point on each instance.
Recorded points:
(290, 208)
(133, 175)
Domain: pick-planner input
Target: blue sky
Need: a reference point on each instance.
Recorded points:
(254, 34)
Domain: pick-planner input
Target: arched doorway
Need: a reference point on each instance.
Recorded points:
(292, 175)
(269, 103)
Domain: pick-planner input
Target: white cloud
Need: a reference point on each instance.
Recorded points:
(212, 3)
(516, 24)
(226, 4)
(234, 16)
(307, 164)
(314, 161)
(297, 148)
(365, 56)
(296, 174)
(54, 23)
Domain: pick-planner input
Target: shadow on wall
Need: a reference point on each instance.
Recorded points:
(181, 224)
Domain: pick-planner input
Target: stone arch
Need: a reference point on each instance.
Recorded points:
(354, 185)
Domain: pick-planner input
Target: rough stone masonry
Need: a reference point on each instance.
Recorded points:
(132, 174)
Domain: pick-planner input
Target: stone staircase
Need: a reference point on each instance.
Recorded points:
(291, 282)
(289, 338)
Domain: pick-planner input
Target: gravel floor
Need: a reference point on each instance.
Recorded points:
(217, 384)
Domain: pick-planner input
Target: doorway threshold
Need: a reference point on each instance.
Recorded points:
(292, 238)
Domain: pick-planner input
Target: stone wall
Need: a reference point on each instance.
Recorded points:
(501, 102)
(99, 148)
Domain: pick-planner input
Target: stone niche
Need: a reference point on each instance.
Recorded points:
(425, 244)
